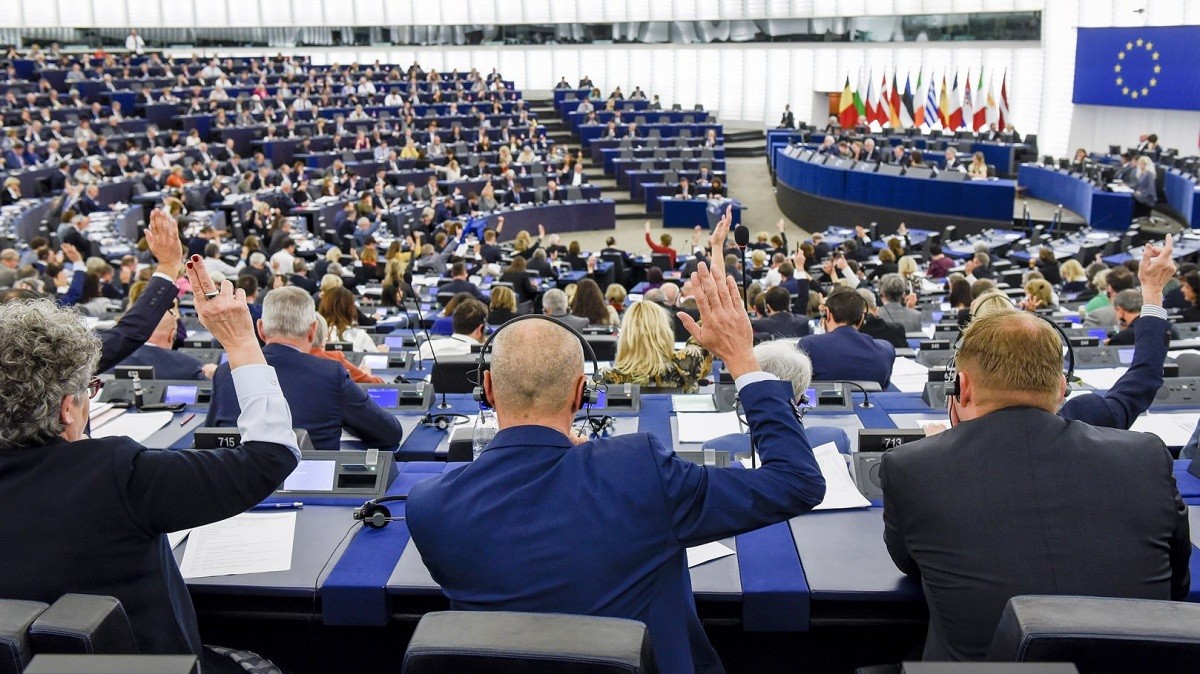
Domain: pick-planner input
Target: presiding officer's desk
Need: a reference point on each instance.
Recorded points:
(1100, 209)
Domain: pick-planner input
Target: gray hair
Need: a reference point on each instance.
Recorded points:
(868, 297)
(257, 258)
(288, 312)
(322, 332)
(892, 287)
(1130, 300)
(782, 359)
(554, 301)
(538, 346)
(48, 354)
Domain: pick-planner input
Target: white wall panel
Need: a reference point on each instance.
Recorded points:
(307, 13)
(244, 13)
(39, 13)
(212, 13)
(79, 12)
(399, 12)
(148, 14)
(535, 11)
(368, 12)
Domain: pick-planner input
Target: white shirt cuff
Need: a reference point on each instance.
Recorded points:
(1154, 310)
(164, 277)
(265, 415)
(753, 378)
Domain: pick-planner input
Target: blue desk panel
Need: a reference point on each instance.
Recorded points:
(1100, 209)
(688, 213)
(1183, 194)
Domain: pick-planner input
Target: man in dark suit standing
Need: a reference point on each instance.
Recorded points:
(323, 398)
(1016, 500)
(788, 121)
(844, 353)
(591, 557)
(780, 321)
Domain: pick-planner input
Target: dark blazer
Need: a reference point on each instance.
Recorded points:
(847, 354)
(593, 558)
(310, 286)
(138, 323)
(523, 286)
(892, 333)
(167, 364)
(462, 286)
(323, 400)
(111, 543)
(781, 324)
(1135, 390)
(1021, 501)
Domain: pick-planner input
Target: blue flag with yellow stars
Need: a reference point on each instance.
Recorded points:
(1139, 67)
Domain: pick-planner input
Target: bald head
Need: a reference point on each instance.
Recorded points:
(537, 366)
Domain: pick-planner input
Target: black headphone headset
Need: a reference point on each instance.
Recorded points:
(374, 515)
(591, 391)
(828, 313)
(954, 388)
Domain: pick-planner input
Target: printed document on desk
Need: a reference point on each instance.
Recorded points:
(1101, 378)
(909, 376)
(840, 492)
(246, 543)
(704, 426)
(1175, 429)
(139, 427)
(707, 553)
(693, 403)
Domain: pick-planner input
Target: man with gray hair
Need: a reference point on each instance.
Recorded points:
(878, 328)
(1127, 305)
(895, 291)
(9, 261)
(601, 526)
(323, 399)
(554, 305)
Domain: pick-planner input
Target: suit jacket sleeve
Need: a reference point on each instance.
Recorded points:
(893, 528)
(706, 504)
(74, 292)
(136, 326)
(367, 420)
(1135, 390)
(1181, 545)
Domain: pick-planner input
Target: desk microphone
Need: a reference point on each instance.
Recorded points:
(741, 237)
(137, 391)
(439, 420)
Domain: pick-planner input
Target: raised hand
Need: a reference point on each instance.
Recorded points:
(163, 239)
(223, 311)
(72, 253)
(724, 328)
(1156, 269)
(716, 242)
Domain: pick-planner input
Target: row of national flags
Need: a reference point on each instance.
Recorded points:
(929, 104)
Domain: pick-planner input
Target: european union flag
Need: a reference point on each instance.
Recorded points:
(1139, 67)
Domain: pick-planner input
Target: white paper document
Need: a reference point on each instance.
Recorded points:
(1101, 378)
(840, 491)
(246, 543)
(707, 553)
(1175, 429)
(909, 376)
(174, 538)
(139, 427)
(704, 426)
(693, 403)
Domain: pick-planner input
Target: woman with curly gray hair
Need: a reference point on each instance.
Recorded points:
(123, 498)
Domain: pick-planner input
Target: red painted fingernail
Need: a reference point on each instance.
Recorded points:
(189, 265)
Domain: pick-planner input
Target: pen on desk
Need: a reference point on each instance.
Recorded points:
(295, 505)
(187, 419)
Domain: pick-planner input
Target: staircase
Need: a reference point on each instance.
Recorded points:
(557, 131)
(745, 143)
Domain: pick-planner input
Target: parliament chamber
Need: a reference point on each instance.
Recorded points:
(381, 336)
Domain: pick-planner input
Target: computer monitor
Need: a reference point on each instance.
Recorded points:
(181, 394)
(384, 397)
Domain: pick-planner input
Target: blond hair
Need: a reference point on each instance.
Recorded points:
(1072, 270)
(1041, 290)
(1014, 359)
(503, 298)
(907, 266)
(330, 281)
(647, 342)
(990, 302)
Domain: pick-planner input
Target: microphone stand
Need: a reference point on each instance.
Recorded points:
(443, 405)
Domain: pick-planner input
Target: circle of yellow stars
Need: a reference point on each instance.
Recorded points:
(1129, 88)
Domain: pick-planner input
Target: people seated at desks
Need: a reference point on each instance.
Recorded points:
(1148, 146)
(460, 283)
(132, 496)
(952, 161)
(646, 352)
(779, 322)
(663, 247)
(978, 266)
(323, 399)
(339, 309)
(554, 305)
(158, 353)
(1014, 500)
(1079, 162)
(357, 375)
(878, 328)
(523, 286)
(1102, 314)
(1047, 265)
(503, 306)
(899, 157)
(443, 325)
(842, 352)
(978, 167)
(1145, 187)
(1189, 287)
(1127, 171)
(939, 264)
(897, 300)
(1128, 308)
(714, 190)
(468, 324)
(959, 298)
(593, 557)
(916, 158)
(590, 303)
(1039, 294)
(1073, 277)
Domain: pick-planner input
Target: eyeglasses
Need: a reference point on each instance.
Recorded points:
(94, 386)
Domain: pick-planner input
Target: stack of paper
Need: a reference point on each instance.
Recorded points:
(1175, 429)
(840, 491)
(1100, 378)
(704, 426)
(693, 403)
(139, 427)
(909, 376)
(246, 543)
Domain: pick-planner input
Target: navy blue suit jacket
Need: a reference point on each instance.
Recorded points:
(323, 400)
(602, 528)
(462, 286)
(847, 353)
(1135, 390)
(136, 326)
(781, 324)
(167, 364)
